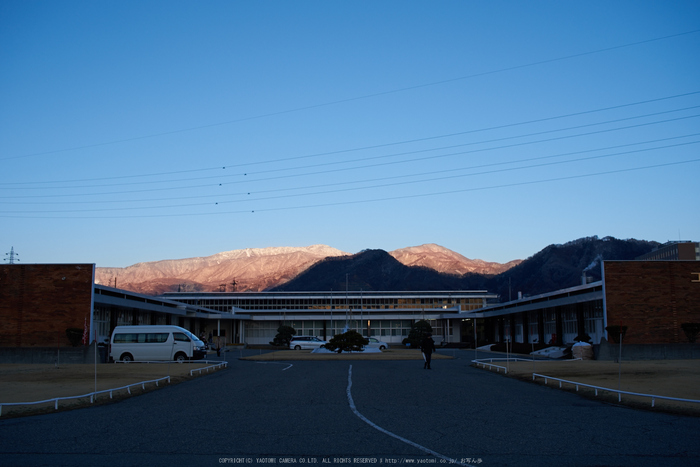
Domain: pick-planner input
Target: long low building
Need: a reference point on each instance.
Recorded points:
(653, 299)
(385, 315)
(39, 302)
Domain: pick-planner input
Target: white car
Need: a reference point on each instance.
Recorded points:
(377, 344)
(306, 342)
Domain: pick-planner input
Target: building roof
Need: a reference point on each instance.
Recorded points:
(571, 295)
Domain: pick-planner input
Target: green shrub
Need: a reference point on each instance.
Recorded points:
(284, 335)
(75, 336)
(350, 341)
(418, 331)
(614, 332)
(583, 338)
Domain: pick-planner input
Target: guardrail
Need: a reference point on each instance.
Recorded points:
(93, 395)
(482, 362)
(217, 364)
(619, 392)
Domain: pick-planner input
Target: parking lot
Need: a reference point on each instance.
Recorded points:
(353, 412)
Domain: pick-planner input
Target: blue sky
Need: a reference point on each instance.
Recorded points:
(141, 131)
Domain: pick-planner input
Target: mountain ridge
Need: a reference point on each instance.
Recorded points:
(423, 267)
(258, 269)
(555, 267)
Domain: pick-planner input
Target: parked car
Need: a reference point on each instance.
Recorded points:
(377, 344)
(153, 343)
(306, 342)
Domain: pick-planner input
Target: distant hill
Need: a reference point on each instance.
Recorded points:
(560, 266)
(252, 269)
(553, 268)
(424, 267)
(444, 260)
(370, 270)
(258, 269)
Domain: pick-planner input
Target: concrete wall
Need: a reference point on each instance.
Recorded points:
(51, 355)
(610, 351)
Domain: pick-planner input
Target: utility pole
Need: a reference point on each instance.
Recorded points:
(12, 256)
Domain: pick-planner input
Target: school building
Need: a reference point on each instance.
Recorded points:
(39, 302)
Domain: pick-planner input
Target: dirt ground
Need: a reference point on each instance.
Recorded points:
(670, 378)
(31, 383)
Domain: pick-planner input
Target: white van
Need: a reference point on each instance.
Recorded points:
(149, 343)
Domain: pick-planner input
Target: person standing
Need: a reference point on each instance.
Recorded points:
(427, 346)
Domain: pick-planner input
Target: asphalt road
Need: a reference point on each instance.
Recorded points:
(352, 413)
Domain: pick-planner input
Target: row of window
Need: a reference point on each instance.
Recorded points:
(148, 338)
(367, 328)
(224, 305)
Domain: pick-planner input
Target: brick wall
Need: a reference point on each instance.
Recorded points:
(38, 302)
(652, 298)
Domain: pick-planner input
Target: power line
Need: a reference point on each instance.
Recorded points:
(387, 163)
(353, 182)
(357, 98)
(374, 200)
(442, 178)
(473, 143)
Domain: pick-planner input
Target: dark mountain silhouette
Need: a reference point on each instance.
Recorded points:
(560, 266)
(553, 268)
(370, 270)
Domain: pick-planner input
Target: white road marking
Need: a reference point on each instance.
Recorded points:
(278, 363)
(387, 432)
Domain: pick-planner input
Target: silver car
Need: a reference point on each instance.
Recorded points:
(306, 342)
(376, 344)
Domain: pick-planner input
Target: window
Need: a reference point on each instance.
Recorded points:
(158, 337)
(180, 337)
(125, 338)
(141, 338)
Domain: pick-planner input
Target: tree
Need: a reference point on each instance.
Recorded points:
(691, 331)
(583, 338)
(615, 333)
(284, 335)
(418, 331)
(75, 336)
(350, 341)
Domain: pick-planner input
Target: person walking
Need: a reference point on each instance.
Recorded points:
(427, 347)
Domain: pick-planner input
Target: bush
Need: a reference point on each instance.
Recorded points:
(284, 335)
(418, 331)
(691, 331)
(350, 341)
(75, 336)
(615, 331)
(583, 338)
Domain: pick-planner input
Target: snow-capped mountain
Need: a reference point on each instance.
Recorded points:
(257, 269)
(445, 260)
(252, 269)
